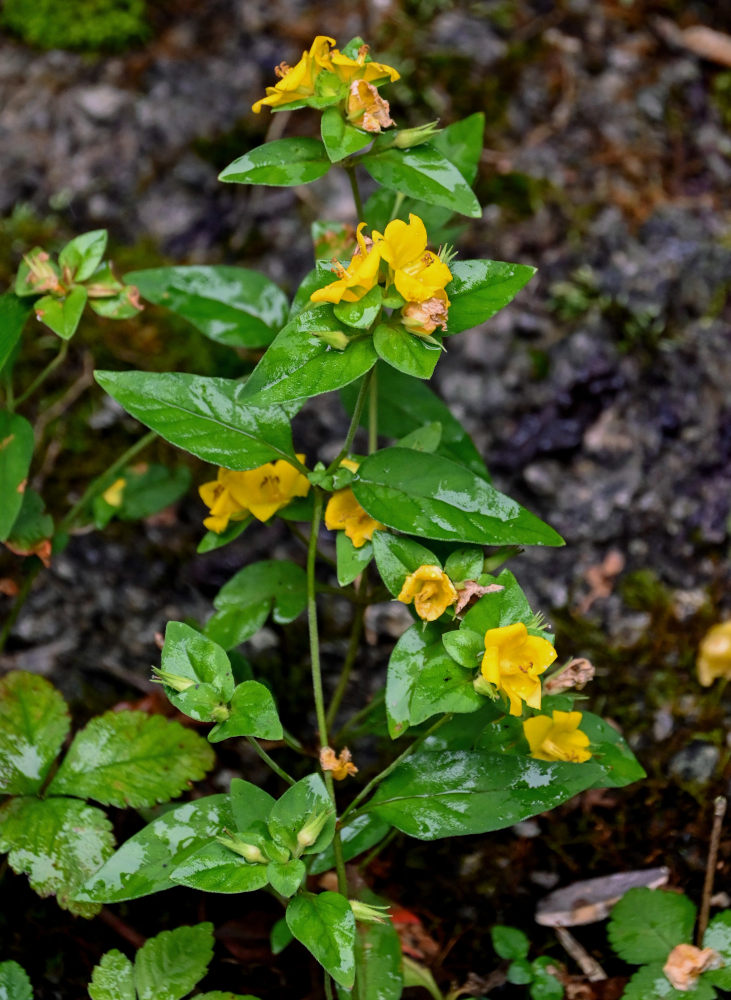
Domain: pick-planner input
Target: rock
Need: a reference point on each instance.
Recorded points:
(695, 763)
(102, 103)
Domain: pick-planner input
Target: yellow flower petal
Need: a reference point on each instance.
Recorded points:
(513, 662)
(431, 590)
(714, 654)
(557, 737)
(113, 494)
(357, 278)
(344, 513)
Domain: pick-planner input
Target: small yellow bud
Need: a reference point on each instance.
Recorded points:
(333, 338)
(313, 828)
(249, 852)
(174, 681)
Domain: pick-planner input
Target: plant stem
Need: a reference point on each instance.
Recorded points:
(355, 421)
(312, 619)
(719, 811)
(363, 865)
(392, 767)
(352, 177)
(348, 662)
(360, 714)
(373, 412)
(328, 988)
(272, 763)
(48, 370)
(397, 203)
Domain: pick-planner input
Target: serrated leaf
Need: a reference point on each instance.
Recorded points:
(34, 721)
(651, 983)
(430, 496)
(113, 978)
(16, 451)
(14, 983)
(244, 603)
(143, 864)
(646, 924)
(14, 313)
(281, 163)
(253, 713)
(132, 759)
(325, 925)
(84, 254)
(208, 417)
(234, 306)
(58, 843)
(169, 965)
(718, 937)
(192, 656)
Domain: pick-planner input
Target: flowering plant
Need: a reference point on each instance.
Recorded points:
(409, 510)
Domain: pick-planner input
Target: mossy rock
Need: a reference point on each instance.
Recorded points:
(83, 24)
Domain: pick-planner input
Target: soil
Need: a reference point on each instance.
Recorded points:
(601, 399)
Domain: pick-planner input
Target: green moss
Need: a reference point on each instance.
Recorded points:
(77, 24)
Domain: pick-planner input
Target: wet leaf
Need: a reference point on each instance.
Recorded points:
(253, 713)
(305, 801)
(350, 561)
(502, 607)
(169, 965)
(480, 288)
(378, 960)
(398, 557)
(192, 656)
(58, 843)
(280, 936)
(234, 306)
(651, 983)
(249, 803)
(325, 925)
(14, 313)
(424, 173)
(281, 163)
(646, 924)
(406, 352)
(14, 983)
(132, 759)
(357, 836)
(285, 877)
(62, 315)
(84, 254)
(341, 139)
(113, 978)
(34, 721)
(461, 142)
(143, 864)
(16, 452)
(215, 868)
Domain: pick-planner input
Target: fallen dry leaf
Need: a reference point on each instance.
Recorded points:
(591, 900)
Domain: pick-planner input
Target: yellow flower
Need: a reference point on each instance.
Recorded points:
(260, 492)
(714, 655)
(417, 273)
(557, 738)
(513, 661)
(340, 764)
(358, 278)
(347, 69)
(431, 590)
(298, 81)
(366, 108)
(113, 494)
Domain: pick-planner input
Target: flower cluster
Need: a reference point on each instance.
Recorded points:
(327, 74)
(418, 275)
(261, 492)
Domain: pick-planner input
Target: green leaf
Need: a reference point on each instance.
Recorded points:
(253, 713)
(424, 173)
(426, 438)
(215, 868)
(357, 836)
(464, 564)
(147, 491)
(208, 417)
(275, 586)
(646, 924)
(188, 654)
(168, 966)
(378, 961)
(113, 978)
(213, 540)
(280, 936)
(250, 804)
(14, 983)
(281, 163)
(509, 942)
(306, 801)
(461, 142)
(430, 496)
(503, 607)
(456, 793)
(718, 937)
(224, 995)
(423, 680)
(234, 306)
(31, 525)
(143, 864)
(350, 561)
(34, 721)
(83, 255)
(62, 315)
(519, 973)
(651, 983)
(398, 557)
(285, 877)
(404, 351)
(341, 139)
(325, 925)
(405, 403)
(545, 985)
(464, 646)
(360, 314)
(610, 753)
(416, 974)
(13, 315)
(299, 365)
(480, 288)
(58, 843)
(132, 759)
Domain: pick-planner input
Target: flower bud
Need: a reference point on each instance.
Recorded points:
(484, 687)
(313, 828)
(220, 713)
(333, 338)
(369, 913)
(249, 852)
(174, 681)
(409, 137)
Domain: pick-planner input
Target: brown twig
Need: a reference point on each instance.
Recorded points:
(719, 811)
(588, 965)
(124, 930)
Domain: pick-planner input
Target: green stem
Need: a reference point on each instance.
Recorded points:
(392, 766)
(48, 370)
(328, 988)
(373, 412)
(312, 620)
(362, 713)
(9, 397)
(272, 763)
(397, 203)
(348, 662)
(352, 177)
(355, 421)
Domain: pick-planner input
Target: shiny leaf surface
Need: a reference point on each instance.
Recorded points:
(350, 561)
(215, 868)
(113, 978)
(463, 792)
(209, 417)
(231, 305)
(143, 864)
(281, 163)
(192, 656)
(503, 607)
(34, 721)
(132, 759)
(169, 965)
(306, 801)
(83, 255)
(285, 877)
(249, 803)
(426, 174)
(378, 961)
(325, 925)
(406, 352)
(651, 983)
(358, 836)
(62, 315)
(13, 315)
(253, 713)
(341, 139)
(430, 496)
(464, 564)
(461, 142)
(360, 314)
(58, 843)
(397, 558)
(480, 288)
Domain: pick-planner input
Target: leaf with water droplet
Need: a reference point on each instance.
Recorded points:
(34, 721)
